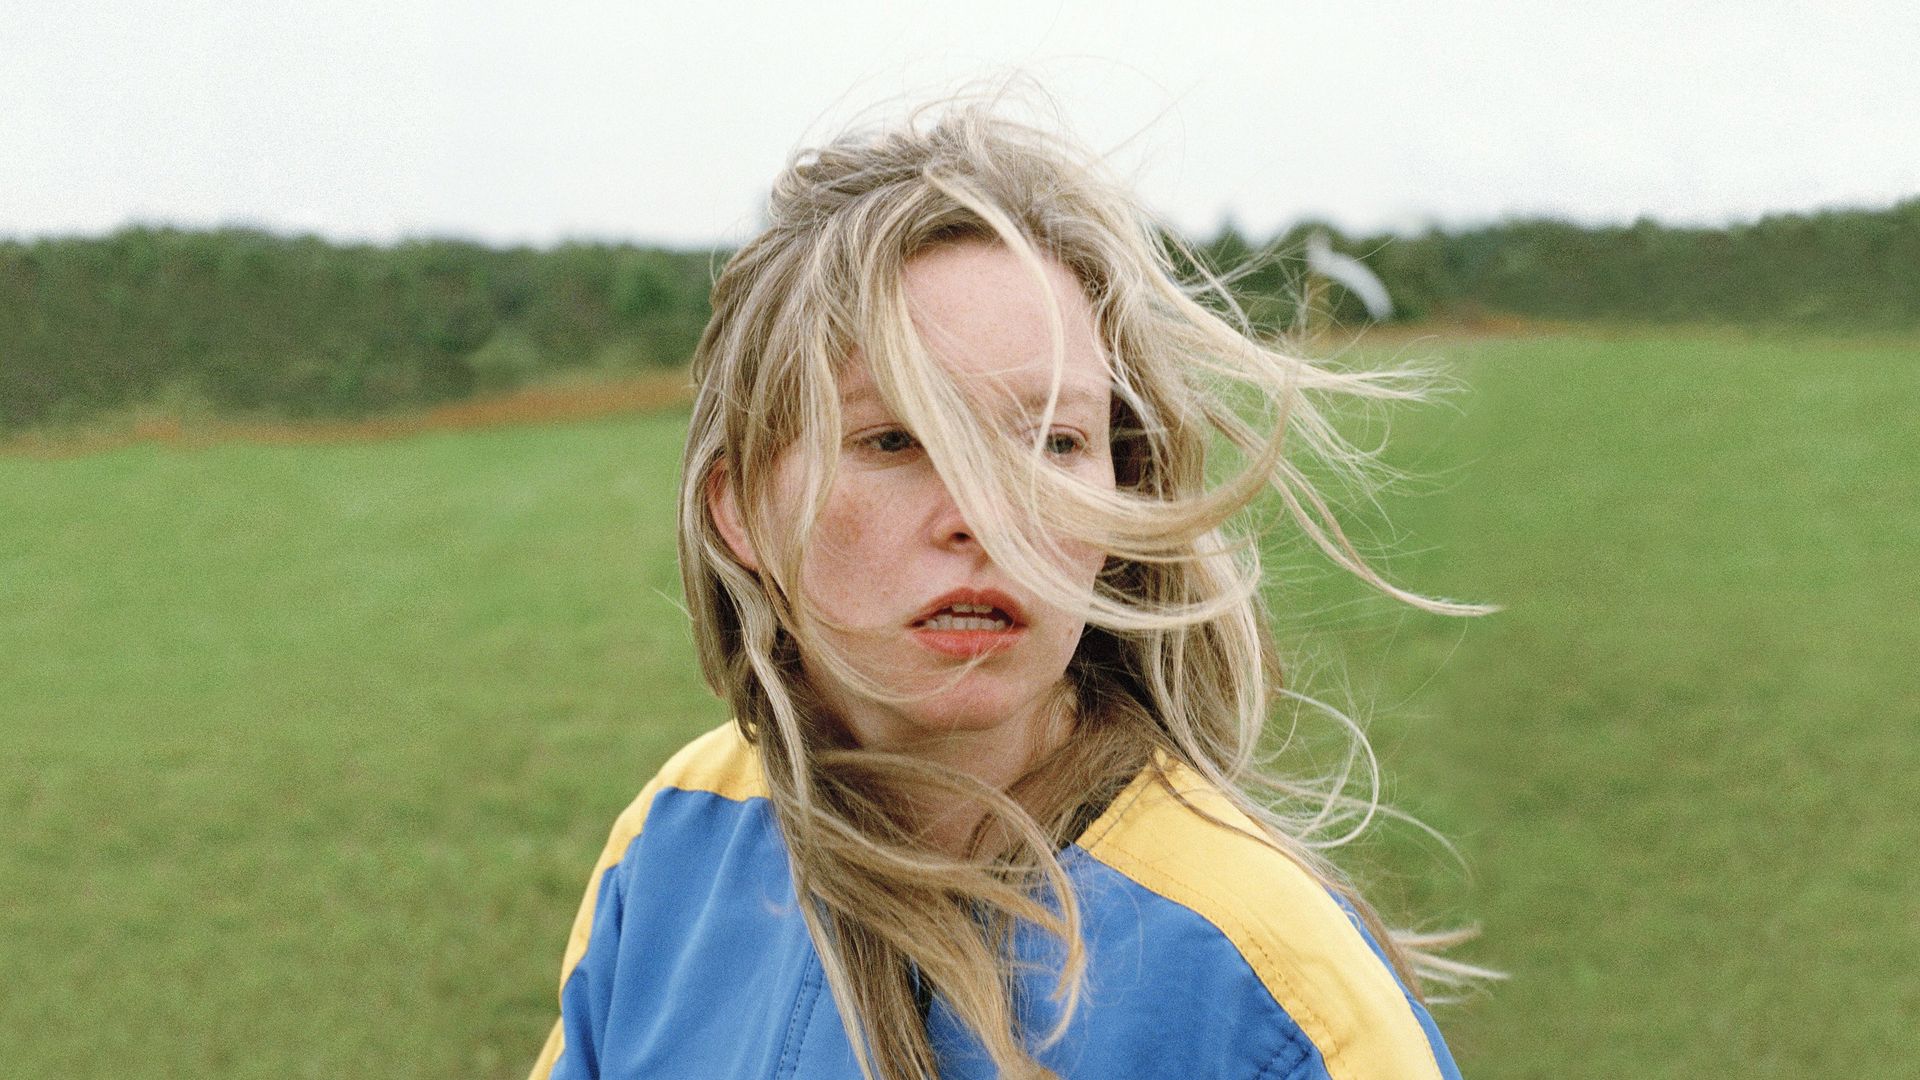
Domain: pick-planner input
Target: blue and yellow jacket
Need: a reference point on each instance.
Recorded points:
(1209, 954)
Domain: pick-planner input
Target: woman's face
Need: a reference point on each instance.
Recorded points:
(909, 594)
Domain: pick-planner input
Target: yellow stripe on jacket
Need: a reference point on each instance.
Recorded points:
(1292, 932)
(721, 761)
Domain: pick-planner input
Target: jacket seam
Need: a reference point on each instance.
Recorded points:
(1287, 1058)
(805, 1004)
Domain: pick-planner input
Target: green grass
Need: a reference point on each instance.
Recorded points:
(1682, 764)
(308, 749)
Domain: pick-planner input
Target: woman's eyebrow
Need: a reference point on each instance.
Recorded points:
(1034, 399)
(860, 393)
(1072, 395)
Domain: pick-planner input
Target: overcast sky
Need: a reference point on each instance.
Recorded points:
(533, 122)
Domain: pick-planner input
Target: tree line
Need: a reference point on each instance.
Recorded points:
(1836, 269)
(248, 322)
(243, 321)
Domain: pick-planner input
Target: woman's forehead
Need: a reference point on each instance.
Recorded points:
(1026, 387)
(989, 321)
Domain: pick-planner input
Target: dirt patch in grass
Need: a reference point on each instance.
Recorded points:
(529, 405)
(590, 398)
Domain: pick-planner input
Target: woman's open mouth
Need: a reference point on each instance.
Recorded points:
(969, 617)
(966, 630)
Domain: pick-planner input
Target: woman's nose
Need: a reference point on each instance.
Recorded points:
(948, 527)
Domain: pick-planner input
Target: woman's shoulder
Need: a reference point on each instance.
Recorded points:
(1179, 838)
(718, 763)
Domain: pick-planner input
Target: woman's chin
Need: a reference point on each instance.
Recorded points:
(961, 718)
(972, 714)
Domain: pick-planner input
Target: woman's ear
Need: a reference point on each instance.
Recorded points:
(725, 511)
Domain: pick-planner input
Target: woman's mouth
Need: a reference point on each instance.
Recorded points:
(969, 617)
(965, 630)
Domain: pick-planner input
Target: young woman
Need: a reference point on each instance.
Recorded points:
(957, 536)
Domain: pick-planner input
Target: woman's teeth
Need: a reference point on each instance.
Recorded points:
(967, 617)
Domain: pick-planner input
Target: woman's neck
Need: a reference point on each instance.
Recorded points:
(997, 757)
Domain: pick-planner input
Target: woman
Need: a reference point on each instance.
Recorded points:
(998, 668)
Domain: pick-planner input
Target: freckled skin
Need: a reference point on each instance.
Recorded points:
(891, 541)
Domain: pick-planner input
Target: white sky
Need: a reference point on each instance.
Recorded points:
(532, 122)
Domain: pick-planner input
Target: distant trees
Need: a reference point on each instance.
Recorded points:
(246, 321)
(1840, 268)
(295, 326)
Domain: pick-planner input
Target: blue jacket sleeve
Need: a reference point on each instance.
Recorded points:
(588, 993)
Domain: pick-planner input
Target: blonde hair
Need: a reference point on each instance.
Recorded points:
(1176, 659)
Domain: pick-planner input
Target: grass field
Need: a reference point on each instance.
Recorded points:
(308, 748)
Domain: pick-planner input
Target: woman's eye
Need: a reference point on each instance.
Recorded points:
(1062, 443)
(890, 441)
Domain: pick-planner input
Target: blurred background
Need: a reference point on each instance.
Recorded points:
(342, 381)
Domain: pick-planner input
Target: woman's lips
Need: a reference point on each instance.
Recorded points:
(967, 644)
(969, 622)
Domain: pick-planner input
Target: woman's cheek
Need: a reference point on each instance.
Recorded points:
(852, 530)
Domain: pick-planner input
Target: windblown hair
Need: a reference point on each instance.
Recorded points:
(1176, 663)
